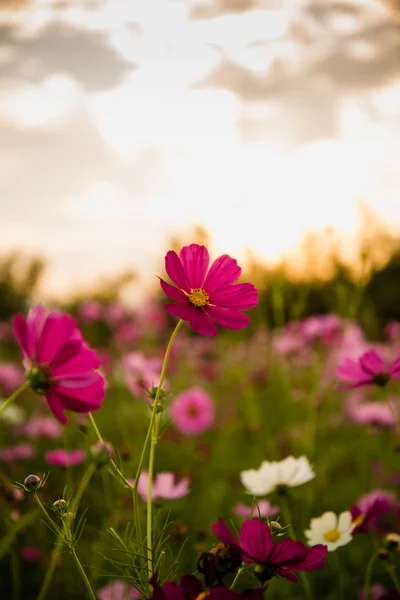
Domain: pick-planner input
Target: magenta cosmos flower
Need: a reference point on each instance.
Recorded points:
(256, 546)
(164, 486)
(191, 588)
(369, 369)
(64, 458)
(206, 295)
(369, 508)
(192, 411)
(59, 364)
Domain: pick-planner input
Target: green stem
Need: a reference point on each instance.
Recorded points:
(237, 576)
(153, 431)
(55, 555)
(288, 520)
(114, 466)
(89, 589)
(340, 575)
(14, 396)
(391, 569)
(368, 575)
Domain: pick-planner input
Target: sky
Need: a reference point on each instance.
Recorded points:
(124, 123)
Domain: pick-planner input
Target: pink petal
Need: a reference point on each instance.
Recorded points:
(223, 272)
(56, 406)
(288, 553)
(67, 352)
(57, 330)
(195, 260)
(350, 370)
(78, 380)
(37, 317)
(395, 369)
(171, 291)
(256, 539)
(241, 296)
(231, 319)
(201, 323)
(372, 363)
(175, 271)
(85, 359)
(287, 574)
(184, 310)
(91, 395)
(224, 534)
(21, 330)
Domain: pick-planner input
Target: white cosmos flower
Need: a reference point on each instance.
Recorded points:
(288, 472)
(331, 530)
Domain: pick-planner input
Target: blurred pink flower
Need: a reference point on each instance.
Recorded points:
(263, 508)
(376, 592)
(90, 310)
(207, 296)
(192, 411)
(370, 369)
(40, 427)
(59, 364)
(64, 458)
(141, 373)
(392, 331)
(11, 377)
(31, 553)
(369, 508)
(370, 413)
(18, 452)
(126, 332)
(118, 590)
(164, 486)
(325, 328)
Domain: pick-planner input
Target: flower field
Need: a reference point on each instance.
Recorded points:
(182, 450)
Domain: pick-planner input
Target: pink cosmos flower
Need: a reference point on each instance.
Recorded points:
(141, 373)
(164, 486)
(321, 327)
(370, 413)
(90, 310)
(31, 553)
(59, 363)
(11, 377)
(16, 453)
(206, 295)
(118, 590)
(369, 508)
(368, 370)
(64, 458)
(262, 509)
(257, 546)
(392, 331)
(192, 411)
(40, 427)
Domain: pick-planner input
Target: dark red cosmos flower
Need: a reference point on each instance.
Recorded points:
(191, 588)
(365, 514)
(257, 546)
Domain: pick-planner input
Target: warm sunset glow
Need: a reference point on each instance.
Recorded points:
(180, 147)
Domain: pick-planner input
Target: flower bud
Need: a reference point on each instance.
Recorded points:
(392, 541)
(32, 482)
(101, 453)
(383, 554)
(60, 505)
(275, 525)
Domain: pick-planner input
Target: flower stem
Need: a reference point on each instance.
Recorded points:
(55, 555)
(153, 432)
(14, 396)
(288, 520)
(237, 577)
(89, 589)
(391, 569)
(368, 575)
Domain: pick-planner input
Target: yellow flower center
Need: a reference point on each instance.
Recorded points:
(198, 297)
(358, 521)
(332, 535)
(202, 596)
